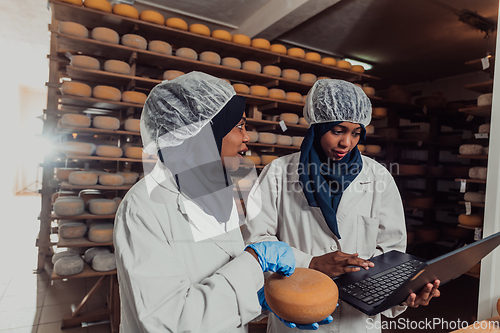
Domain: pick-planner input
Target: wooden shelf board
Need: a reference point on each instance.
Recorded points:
(481, 87)
(99, 158)
(95, 103)
(264, 145)
(67, 186)
(480, 111)
(80, 242)
(468, 180)
(87, 272)
(84, 216)
(476, 63)
(473, 204)
(275, 123)
(93, 131)
(474, 157)
(468, 227)
(98, 76)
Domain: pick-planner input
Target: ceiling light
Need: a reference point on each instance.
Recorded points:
(356, 62)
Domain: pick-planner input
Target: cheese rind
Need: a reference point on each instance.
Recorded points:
(69, 206)
(73, 29)
(63, 173)
(187, 53)
(104, 262)
(160, 46)
(471, 149)
(329, 61)
(251, 66)
(84, 62)
(242, 39)
(74, 2)
(126, 10)
(171, 74)
(289, 118)
(474, 197)
(485, 99)
(290, 74)
(129, 177)
(82, 178)
(102, 5)
(277, 93)
(132, 125)
(105, 122)
(284, 140)
(77, 148)
(152, 16)
(261, 43)
(307, 78)
(92, 252)
(293, 97)
(313, 56)
(272, 70)
(111, 179)
(68, 266)
(222, 34)
(200, 29)
(472, 220)
(135, 152)
(64, 254)
(175, 22)
(134, 41)
(296, 52)
(478, 172)
(303, 121)
(101, 233)
(107, 92)
(259, 91)
(76, 89)
(484, 128)
(102, 206)
(135, 97)
(72, 230)
(241, 88)
(267, 138)
(109, 151)
(75, 120)
(210, 57)
(253, 135)
(358, 68)
(231, 62)
(369, 91)
(117, 66)
(105, 35)
(278, 48)
(344, 64)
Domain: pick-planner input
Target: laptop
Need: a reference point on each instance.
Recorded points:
(396, 275)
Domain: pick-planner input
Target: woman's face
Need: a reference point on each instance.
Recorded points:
(234, 146)
(340, 140)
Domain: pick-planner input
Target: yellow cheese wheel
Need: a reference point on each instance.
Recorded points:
(77, 148)
(276, 93)
(283, 140)
(251, 160)
(105, 122)
(290, 74)
(111, 179)
(313, 56)
(373, 149)
(358, 68)
(307, 78)
(186, 52)
(152, 16)
(175, 22)
(259, 91)
(266, 159)
(102, 5)
(329, 61)
(101, 233)
(135, 97)
(272, 70)
(135, 41)
(82, 178)
(73, 29)
(135, 152)
(72, 230)
(473, 220)
(69, 206)
(102, 207)
(129, 177)
(296, 52)
(370, 129)
(210, 57)
(171, 74)
(132, 125)
(75, 120)
(278, 48)
(251, 66)
(261, 43)
(297, 140)
(107, 92)
(241, 88)
(344, 64)
(231, 62)
(303, 121)
(117, 66)
(222, 34)
(253, 135)
(369, 91)
(160, 46)
(105, 35)
(63, 173)
(267, 138)
(84, 62)
(242, 39)
(289, 118)
(198, 28)
(125, 10)
(109, 151)
(74, 2)
(293, 97)
(379, 112)
(361, 148)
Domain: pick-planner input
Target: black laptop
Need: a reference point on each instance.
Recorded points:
(396, 275)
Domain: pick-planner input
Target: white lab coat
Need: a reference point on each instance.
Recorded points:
(170, 283)
(370, 219)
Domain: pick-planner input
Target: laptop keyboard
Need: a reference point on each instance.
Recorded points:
(379, 286)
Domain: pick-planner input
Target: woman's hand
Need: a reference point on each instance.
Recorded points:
(425, 296)
(336, 263)
(273, 256)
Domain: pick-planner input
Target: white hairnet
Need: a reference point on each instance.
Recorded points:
(337, 100)
(178, 109)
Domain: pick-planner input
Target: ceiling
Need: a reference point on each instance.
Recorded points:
(406, 41)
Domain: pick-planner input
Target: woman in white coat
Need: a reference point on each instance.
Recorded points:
(334, 207)
(180, 256)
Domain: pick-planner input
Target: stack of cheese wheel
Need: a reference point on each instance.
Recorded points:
(90, 253)
(101, 232)
(278, 48)
(83, 178)
(290, 74)
(135, 97)
(200, 29)
(104, 262)
(485, 99)
(293, 97)
(266, 159)
(251, 66)
(297, 141)
(64, 254)
(241, 88)
(251, 160)
(478, 172)
(132, 125)
(267, 138)
(231, 62)
(210, 57)
(75, 120)
(126, 10)
(72, 230)
(107, 93)
(111, 179)
(474, 197)
(259, 91)
(176, 23)
(129, 177)
(78, 148)
(172, 74)
(135, 41)
(62, 174)
(68, 266)
(86, 195)
(272, 70)
(242, 39)
(253, 135)
(473, 220)
(329, 61)
(76, 89)
(109, 151)
(69, 206)
(283, 140)
(152, 16)
(102, 5)
(160, 46)
(73, 29)
(84, 61)
(289, 118)
(105, 122)
(222, 34)
(105, 35)
(117, 66)
(471, 149)
(102, 206)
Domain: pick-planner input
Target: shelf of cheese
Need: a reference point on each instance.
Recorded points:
(265, 145)
(112, 159)
(93, 131)
(473, 204)
(479, 111)
(87, 272)
(481, 87)
(91, 102)
(474, 157)
(477, 64)
(79, 242)
(468, 180)
(67, 186)
(84, 216)
(260, 123)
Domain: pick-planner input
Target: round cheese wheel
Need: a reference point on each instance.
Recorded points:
(107, 92)
(259, 91)
(77, 148)
(117, 66)
(307, 78)
(200, 29)
(72, 230)
(253, 135)
(104, 122)
(305, 297)
(222, 34)
(358, 68)
(468, 149)
(231, 62)
(135, 97)
(92, 252)
(267, 138)
(276, 93)
(296, 52)
(84, 62)
(76, 89)
(210, 57)
(266, 159)
(272, 70)
(69, 206)
(129, 177)
(186, 52)
(105, 35)
(73, 29)
(361, 148)
(473, 220)
(242, 39)
(484, 128)
(241, 88)
(303, 121)
(134, 41)
(329, 61)
(160, 46)
(104, 262)
(290, 74)
(313, 56)
(102, 5)
(75, 120)
(379, 112)
(478, 172)
(172, 74)
(283, 140)
(369, 91)
(289, 118)
(261, 43)
(373, 149)
(111, 179)
(485, 99)
(102, 206)
(82, 178)
(251, 66)
(63, 173)
(74, 2)
(135, 152)
(109, 151)
(101, 233)
(278, 48)
(344, 64)
(64, 254)
(87, 195)
(125, 10)
(370, 129)
(175, 22)
(293, 97)
(132, 125)
(68, 266)
(251, 160)
(152, 16)
(474, 197)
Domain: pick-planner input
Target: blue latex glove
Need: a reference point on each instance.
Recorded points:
(313, 326)
(275, 257)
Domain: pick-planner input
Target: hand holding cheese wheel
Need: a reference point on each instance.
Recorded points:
(126, 10)
(177, 23)
(102, 5)
(152, 16)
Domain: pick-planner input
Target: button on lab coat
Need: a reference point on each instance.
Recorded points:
(370, 220)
